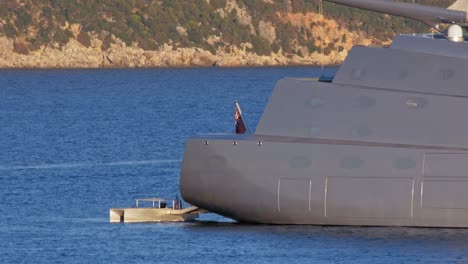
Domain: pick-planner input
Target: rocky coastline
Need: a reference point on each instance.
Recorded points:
(119, 55)
(19, 53)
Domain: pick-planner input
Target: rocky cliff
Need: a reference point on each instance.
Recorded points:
(175, 33)
(74, 54)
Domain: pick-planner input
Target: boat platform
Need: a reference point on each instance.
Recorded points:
(161, 210)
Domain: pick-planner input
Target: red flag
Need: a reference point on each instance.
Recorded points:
(241, 127)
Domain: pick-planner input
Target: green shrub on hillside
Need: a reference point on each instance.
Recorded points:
(10, 30)
(23, 19)
(62, 36)
(261, 46)
(84, 39)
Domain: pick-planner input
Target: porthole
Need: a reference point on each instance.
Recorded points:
(313, 131)
(366, 102)
(404, 163)
(300, 162)
(402, 75)
(358, 74)
(362, 131)
(351, 162)
(314, 102)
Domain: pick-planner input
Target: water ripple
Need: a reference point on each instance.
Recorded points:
(87, 164)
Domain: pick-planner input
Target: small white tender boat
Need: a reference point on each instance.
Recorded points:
(161, 210)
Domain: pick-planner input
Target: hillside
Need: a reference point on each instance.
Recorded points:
(151, 33)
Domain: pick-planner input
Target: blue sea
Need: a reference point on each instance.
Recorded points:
(74, 143)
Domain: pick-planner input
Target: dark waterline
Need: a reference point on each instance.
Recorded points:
(77, 142)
